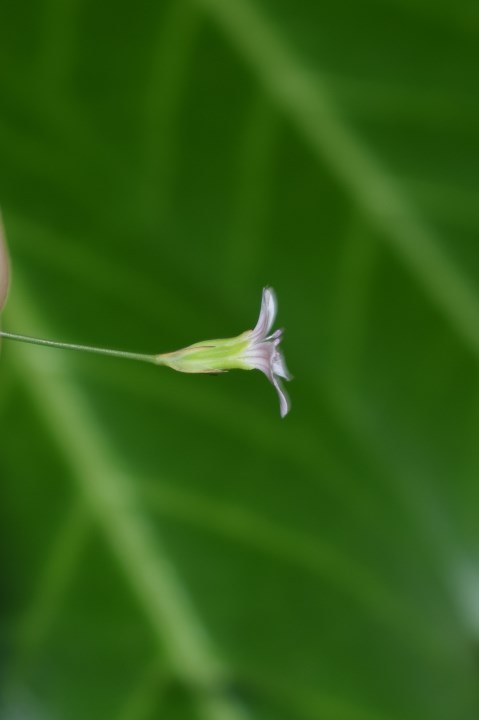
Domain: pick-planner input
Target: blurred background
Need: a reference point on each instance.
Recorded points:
(169, 547)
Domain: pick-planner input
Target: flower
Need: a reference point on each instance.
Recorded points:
(262, 352)
(252, 350)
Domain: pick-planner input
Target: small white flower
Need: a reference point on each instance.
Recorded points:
(262, 352)
(252, 350)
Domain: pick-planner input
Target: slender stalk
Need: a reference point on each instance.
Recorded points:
(80, 348)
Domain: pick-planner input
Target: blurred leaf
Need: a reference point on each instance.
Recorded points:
(170, 548)
(4, 267)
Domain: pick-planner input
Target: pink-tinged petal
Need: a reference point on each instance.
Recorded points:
(265, 368)
(267, 314)
(260, 361)
(284, 401)
(279, 366)
(276, 336)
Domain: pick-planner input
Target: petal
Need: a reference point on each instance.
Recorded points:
(284, 401)
(276, 336)
(267, 314)
(260, 359)
(279, 366)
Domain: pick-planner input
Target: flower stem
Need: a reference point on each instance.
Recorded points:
(80, 348)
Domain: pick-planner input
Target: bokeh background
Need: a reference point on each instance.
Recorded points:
(169, 547)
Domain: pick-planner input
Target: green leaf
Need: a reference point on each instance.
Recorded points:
(170, 547)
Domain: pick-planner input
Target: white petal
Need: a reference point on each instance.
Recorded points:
(267, 314)
(279, 366)
(284, 401)
(260, 362)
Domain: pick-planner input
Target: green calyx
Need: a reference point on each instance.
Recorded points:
(209, 356)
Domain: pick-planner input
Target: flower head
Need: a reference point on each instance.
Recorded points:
(263, 353)
(252, 350)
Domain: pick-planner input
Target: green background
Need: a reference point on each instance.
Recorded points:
(169, 547)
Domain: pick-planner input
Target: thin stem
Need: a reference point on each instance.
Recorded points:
(81, 348)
